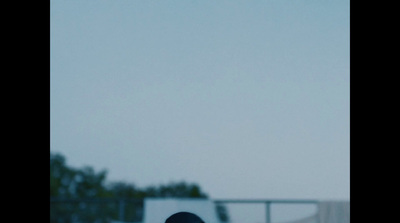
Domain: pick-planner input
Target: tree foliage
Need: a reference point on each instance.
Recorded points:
(68, 182)
(85, 183)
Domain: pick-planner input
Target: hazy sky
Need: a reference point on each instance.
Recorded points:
(249, 99)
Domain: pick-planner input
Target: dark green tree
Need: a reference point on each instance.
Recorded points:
(77, 184)
(180, 190)
(68, 182)
(83, 186)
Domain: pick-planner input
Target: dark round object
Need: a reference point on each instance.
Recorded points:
(184, 217)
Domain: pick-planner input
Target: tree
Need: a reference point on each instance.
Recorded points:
(180, 189)
(68, 182)
(71, 183)
(83, 184)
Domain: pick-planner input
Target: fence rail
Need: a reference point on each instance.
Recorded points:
(65, 210)
(267, 203)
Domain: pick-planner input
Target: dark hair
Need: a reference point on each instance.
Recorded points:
(184, 217)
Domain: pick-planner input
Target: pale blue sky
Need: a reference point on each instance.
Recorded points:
(249, 99)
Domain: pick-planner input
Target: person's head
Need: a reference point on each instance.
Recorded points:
(184, 217)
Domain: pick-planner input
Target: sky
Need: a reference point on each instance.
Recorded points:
(248, 99)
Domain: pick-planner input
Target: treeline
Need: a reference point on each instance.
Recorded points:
(68, 182)
(79, 185)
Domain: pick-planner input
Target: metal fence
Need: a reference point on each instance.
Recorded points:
(268, 203)
(109, 210)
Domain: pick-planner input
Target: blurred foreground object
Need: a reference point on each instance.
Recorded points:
(156, 210)
(184, 217)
